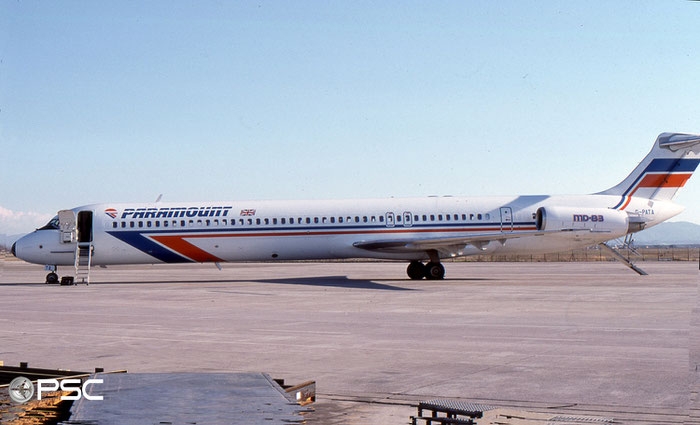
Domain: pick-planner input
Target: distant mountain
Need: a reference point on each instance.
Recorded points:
(670, 233)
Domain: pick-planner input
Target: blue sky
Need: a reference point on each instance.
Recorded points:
(122, 101)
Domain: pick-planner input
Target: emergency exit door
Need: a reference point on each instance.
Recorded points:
(506, 219)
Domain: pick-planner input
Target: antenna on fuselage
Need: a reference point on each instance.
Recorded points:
(159, 198)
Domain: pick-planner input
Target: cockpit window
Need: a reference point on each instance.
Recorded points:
(53, 224)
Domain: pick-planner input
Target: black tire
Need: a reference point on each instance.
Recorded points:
(52, 278)
(416, 270)
(434, 271)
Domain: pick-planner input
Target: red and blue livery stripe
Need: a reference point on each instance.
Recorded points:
(660, 173)
(174, 246)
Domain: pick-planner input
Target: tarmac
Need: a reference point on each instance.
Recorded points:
(574, 338)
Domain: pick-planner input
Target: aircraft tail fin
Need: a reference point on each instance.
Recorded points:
(668, 166)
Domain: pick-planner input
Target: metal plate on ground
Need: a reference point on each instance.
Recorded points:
(201, 398)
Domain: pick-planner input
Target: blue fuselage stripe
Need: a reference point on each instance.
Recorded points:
(447, 227)
(137, 239)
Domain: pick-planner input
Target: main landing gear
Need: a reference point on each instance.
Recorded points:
(433, 270)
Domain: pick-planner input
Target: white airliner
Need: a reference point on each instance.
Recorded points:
(419, 230)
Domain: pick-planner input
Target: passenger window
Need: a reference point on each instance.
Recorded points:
(140, 223)
(182, 223)
(216, 222)
(364, 219)
(373, 219)
(398, 219)
(165, 223)
(316, 220)
(114, 225)
(199, 222)
(257, 221)
(157, 223)
(464, 217)
(323, 220)
(241, 222)
(250, 221)
(381, 219)
(131, 224)
(267, 221)
(123, 224)
(471, 216)
(332, 219)
(425, 218)
(208, 222)
(447, 217)
(415, 217)
(357, 219)
(308, 220)
(478, 216)
(432, 217)
(340, 219)
(488, 217)
(274, 221)
(283, 220)
(439, 217)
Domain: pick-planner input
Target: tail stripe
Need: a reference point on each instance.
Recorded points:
(660, 173)
(664, 180)
(672, 164)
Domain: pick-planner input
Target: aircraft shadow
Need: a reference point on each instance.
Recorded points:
(325, 281)
(336, 281)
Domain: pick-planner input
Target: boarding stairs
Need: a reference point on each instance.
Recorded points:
(617, 255)
(83, 260)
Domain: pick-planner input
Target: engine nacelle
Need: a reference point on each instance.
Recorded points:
(595, 219)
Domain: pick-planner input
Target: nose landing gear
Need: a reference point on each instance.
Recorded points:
(51, 278)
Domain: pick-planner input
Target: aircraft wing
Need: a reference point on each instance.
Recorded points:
(451, 245)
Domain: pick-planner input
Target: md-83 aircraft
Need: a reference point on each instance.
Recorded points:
(421, 231)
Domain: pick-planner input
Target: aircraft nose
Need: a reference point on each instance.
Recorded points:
(12, 250)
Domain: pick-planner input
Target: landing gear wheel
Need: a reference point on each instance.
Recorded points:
(52, 278)
(416, 270)
(434, 271)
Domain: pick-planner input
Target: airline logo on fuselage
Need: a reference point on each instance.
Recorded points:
(173, 212)
(111, 212)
